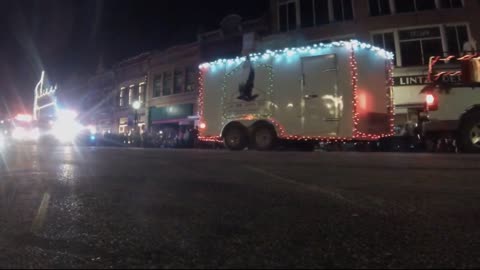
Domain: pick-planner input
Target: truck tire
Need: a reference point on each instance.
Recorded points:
(264, 138)
(235, 138)
(469, 136)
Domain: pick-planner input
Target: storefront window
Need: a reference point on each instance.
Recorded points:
(379, 7)
(456, 38)
(418, 45)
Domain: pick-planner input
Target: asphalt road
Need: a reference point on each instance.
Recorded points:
(103, 208)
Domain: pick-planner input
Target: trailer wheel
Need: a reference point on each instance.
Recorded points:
(469, 137)
(264, 138)
(235, 138)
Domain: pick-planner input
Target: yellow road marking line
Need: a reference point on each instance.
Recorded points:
(41, 214)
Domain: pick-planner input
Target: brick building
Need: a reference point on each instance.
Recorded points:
(173, 73)
(130, 85)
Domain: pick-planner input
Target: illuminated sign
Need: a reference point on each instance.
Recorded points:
(41, 92)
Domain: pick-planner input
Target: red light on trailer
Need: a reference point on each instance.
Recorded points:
(432, 102)
(202, 126)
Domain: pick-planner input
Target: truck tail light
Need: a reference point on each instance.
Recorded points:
(202, 126)
(432, 102)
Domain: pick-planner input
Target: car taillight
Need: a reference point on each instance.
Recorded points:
(432, 102)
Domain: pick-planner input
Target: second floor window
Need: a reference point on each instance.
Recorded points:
(191, 79)
(157, 86)
(142, 90)
(167, 83)
(457, 36)
(132, 94)
(379, 7)
(342, 10)
(418, 45)
(123, 97)
(287, 16)
(314, 12)
(385, 41)
(451, 3)
(178, 81)
(402, 6)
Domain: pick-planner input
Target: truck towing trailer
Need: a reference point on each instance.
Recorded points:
(452, 107)
(334, 92)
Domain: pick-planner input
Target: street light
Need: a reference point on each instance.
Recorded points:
(136, 105)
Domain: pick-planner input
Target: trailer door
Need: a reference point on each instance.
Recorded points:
(321, 106)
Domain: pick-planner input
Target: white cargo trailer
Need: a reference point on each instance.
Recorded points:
(340, 91)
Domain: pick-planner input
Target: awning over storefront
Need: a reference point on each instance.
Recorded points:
(171, 114)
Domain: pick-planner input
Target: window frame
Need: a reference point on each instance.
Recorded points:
(395, 31)
(316, 21)
(142, 91)
(343, 11)
(157, 77)
(415, 7)
(182, 72)
(439, 5)
(391, 11)
(121, 103)
(440, 37)
(469, 33)
(170, 72)
(194, 82)
(297, 15)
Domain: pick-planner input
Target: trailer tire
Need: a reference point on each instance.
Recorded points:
(264, 137)
(235, 138)
(469, 135)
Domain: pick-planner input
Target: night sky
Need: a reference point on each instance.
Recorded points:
(67, 38)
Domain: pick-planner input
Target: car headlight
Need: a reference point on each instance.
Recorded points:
(2, 141)
(19, 133)
(66, 131)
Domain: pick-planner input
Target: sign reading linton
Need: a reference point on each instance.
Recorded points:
(420, 80)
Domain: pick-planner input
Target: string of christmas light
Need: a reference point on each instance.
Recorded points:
(312, 50)
(391, 102)
(201, 98)
(354, 74)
